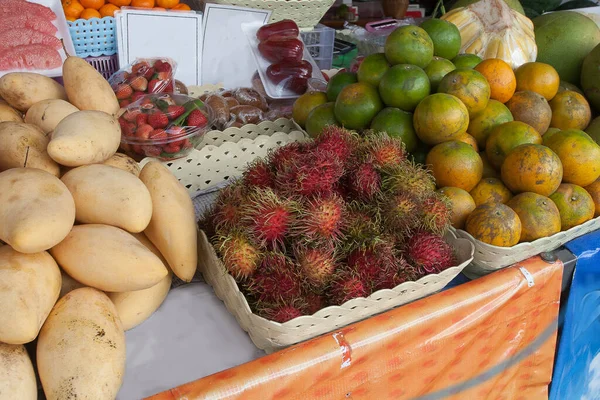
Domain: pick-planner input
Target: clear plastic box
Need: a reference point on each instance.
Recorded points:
(319, 42)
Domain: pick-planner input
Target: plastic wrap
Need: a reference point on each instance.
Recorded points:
(143, 76)
(165, 126)
(577, 370)
(492, 338)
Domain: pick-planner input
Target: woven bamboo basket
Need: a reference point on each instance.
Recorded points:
(272, 336)
(306, 13)
(488, 258)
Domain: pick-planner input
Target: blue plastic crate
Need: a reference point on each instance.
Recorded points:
(94, 37)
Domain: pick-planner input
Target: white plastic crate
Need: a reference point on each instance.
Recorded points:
(319, 42)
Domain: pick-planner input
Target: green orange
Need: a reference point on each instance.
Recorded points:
(398, 124)
(538, 214)
(404, 86)
(440, 117)
(466, 60)
(575, 204)
(305, 104)
(455, 164)
(409, 44)
(338, 82)
(372, 69)
(469, 86)
(436, 70)
(462, 205)
(356, 105)
(494, 114)
(445, 37)
(320, 117)
(503, 138)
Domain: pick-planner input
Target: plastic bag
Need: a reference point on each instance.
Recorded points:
(236, 107)
(165, 126)
(143, 76)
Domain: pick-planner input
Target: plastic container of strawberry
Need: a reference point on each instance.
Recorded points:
(143, 76)
(164, 126)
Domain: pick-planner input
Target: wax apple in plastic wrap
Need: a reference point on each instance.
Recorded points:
(165, 126)
(143, 76)
(291, 75)
(284, 28)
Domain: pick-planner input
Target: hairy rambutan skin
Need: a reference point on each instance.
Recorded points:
(320, 218)
(369, 263)
(258, 174)
(268, 217)
(317, 263)
(286, 154)
(408, 177)
(401, 213)
(240, 257)
(314, 302)
(276, 280)
(384, 151)
(337, 141)
(347, 286)
(282, 313)
(395, 273)
(436, 213)
(364, 181)
(362, 227)
(224, 215)
(429, 252)
(313, 173)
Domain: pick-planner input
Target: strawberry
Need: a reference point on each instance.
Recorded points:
(130, 115)
(176, 131)
(154, 86)
(136, 96)
(158, 134)
(170, 88)
(171, 148)
(143, 131)
(152, 151)
(174, 112)
(124, 103)
(158, 119)
(163, 76)
(137, 149)
(162, 66)
(122, 123)
(141, 119)
(197, 118)
(123, 91)
(140, 68)
(139, 84)
(184, 144)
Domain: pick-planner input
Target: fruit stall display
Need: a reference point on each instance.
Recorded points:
(88, 9)
(89, 240)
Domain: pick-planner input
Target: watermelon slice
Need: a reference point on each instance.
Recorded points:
(27, 21)
(25, 36)
(32, 56)
(20, 7)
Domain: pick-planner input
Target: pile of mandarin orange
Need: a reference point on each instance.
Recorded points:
(86, 9)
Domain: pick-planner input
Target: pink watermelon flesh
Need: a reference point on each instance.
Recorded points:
(20, 7)
(32, 56)
(27, 21)
(25, 36)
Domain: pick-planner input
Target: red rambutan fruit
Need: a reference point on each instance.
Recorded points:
(347, 286)
(321, 217)
(258, 174)
(314, 302)
(268, 217)
(282, 313)
(317, 263)
(286, 154)
(240, 257)
(313, 173)
(429, 252)
(384, 151)
(368, 263)
(437, 212)
(276, 280)
(400, 213)
(393, 274)
(225, 213)
(362, 225)
(408, 177)
(364, 181)
(337, 141)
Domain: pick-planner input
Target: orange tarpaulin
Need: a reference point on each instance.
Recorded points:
(492, 338)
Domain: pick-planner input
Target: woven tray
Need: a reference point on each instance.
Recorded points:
(488, 258)
(214, 165)
(306, 13)
(272, 336)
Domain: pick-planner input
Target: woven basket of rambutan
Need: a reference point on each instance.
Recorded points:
(320, 234)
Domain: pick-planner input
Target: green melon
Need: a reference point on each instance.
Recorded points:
(564, 39)
(590, 77)
(514, 4)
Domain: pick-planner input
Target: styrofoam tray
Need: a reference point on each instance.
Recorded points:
(63, 33)
(262, 64)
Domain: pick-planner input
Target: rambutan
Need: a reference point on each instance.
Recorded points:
(337, 141)
(225, 214)
(240, 257)
(276, 280)
(347, 286)
(384, 151)
(285, 154)
(364, 181)
(268, 217)
(362, 225)
(393, 274)
(408, 177)
(317, 263)
(258, 174)
(401, 213)
(437, 212)
(321, 217)
(314, 302)
(281, 313)
(368, 263)
(429, 252)
(312, 173)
